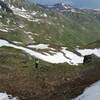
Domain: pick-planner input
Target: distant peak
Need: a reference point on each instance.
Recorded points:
(4, 6)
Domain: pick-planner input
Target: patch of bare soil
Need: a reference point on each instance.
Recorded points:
(19, 84)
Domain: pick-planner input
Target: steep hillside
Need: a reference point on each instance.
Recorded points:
(69, 28)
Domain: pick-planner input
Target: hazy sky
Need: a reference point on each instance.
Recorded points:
(77, 3)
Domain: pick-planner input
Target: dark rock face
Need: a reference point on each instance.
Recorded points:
(89, 58)
(4, 7)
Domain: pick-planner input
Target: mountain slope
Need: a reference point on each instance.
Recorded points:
(69, 28)
(50, 35)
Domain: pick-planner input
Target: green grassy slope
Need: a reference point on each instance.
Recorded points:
(68, 29)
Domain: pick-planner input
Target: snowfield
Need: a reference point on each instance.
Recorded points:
(58, 57)
(63, 56)
(39, 46)
(24, 13)
(89, 52)
(91, 93)
(74, 58)
(5, 96)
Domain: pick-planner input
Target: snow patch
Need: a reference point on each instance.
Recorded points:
(25, 14)
(63, 56)
(89, 52)
(8, 21)
(5, 96)
(73, 10)
(4, 30)
(28, 32)
(44, 15)
(56, 58)
(91, 93)
(39, 46)
(30, 37)
(73, 58)
(0, 16)
(21, 26)
(16, 42)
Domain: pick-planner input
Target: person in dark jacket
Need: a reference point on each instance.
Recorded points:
(36, 63)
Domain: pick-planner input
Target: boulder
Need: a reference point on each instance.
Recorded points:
(89, 58)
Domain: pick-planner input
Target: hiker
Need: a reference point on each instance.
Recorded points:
(36, 62)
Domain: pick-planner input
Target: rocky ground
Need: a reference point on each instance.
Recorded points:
(20, 78)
